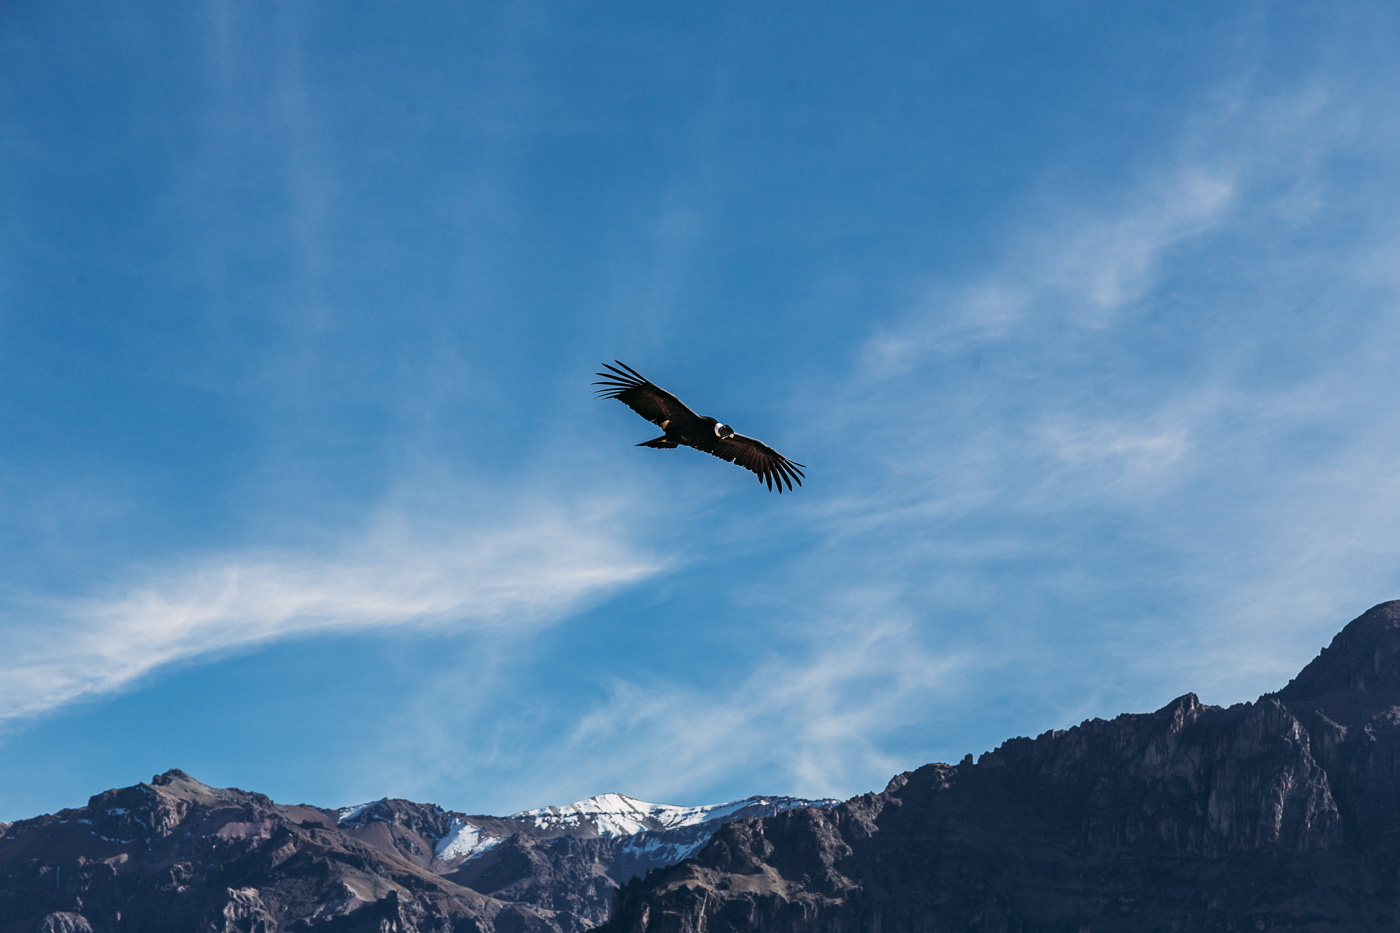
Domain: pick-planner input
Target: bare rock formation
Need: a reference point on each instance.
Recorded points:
(1282, 814)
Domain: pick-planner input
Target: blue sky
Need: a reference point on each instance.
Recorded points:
(1084, 317)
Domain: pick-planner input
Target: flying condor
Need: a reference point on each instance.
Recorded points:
(683, 426)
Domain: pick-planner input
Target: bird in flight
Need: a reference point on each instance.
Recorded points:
(683, 426)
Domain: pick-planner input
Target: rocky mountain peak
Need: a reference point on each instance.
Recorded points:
(1358, 674)
(143, 812)
(173, 776)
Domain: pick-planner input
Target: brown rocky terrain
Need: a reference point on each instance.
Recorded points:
(177, 855)
(1281, 814)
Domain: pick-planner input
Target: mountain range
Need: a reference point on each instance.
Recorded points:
(1279, 814)
(178, 855)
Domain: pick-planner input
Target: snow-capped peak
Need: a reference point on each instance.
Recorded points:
(620, 815)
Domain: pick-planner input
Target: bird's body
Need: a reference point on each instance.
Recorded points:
(684, 427)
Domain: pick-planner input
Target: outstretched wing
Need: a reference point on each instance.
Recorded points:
(751, 454)
(650, 401)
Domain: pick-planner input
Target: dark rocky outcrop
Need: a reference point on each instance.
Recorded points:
(1282, 814)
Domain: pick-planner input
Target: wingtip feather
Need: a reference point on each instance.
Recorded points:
(630, 370)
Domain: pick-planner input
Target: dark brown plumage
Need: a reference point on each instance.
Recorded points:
(683, 426)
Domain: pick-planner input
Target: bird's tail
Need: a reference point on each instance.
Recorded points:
(662, 441)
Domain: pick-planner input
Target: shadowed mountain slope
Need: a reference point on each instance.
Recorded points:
(1282, 814)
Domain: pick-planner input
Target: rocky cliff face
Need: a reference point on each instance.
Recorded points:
(178, 855)
(1282, 814)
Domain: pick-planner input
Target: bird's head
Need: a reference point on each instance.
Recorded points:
(721, 430)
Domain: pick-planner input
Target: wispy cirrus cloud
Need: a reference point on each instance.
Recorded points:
(815, 717)
(1083, 267)
(1158, 413)
(1251, 164)
(521, 572)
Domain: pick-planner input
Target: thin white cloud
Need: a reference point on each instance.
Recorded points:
(1100, 266)
(1308, 541)
(1251, 161)
(815, 719)
(1083, 268)
(1117, 452)
(520, 573)
(1164, 418)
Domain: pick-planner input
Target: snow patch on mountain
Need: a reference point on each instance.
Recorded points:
(667, 850)
(620, 815)
(463, 841)
(350, 814)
